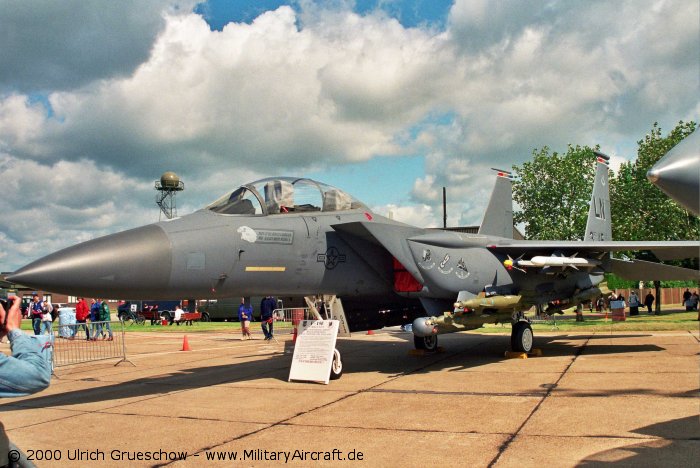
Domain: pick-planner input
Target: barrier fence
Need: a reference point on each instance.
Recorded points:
(284, 320)
(75, 343)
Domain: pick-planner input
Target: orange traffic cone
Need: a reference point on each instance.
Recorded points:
(370, 332)
(185, 344)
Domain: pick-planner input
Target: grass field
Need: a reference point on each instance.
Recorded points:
(671, 319)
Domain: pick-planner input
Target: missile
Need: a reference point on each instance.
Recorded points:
(543, 261)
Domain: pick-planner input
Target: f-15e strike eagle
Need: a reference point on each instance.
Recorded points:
(298, 237)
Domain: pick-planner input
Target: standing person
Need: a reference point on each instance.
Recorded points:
(600, 304)
(686, 297)
(267, 305)
(95, 318)
(634, 303)
(47, 320)
(245, 313)
(82, 312)
(649, 301)
(36, 310)
(106, 316)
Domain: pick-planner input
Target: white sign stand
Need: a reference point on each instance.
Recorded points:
(313, 351)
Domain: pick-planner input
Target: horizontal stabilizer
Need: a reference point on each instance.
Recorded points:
(640, 270)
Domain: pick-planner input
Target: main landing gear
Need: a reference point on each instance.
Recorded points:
(428, 343)
(521, 337)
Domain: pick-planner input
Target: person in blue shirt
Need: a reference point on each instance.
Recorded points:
(267, 306)
(37, 308)
(95, 311)
(245, 315)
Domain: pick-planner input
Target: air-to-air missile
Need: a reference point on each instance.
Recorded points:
(543, 261)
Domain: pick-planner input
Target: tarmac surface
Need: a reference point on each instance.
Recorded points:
(630, 399)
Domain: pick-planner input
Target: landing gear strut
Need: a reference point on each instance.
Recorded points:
(428, 343)
(521, 337)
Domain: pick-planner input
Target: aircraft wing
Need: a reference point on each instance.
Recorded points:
(664, 250)
(640, 270)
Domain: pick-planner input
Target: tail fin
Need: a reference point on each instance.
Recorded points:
(498, 219)
(599, 227)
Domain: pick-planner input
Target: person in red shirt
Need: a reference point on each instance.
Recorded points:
(82, 312)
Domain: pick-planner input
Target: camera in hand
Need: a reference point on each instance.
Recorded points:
(6, 304)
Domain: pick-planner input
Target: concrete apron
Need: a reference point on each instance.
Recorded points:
(629, 397)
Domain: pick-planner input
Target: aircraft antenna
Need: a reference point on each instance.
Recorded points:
(168, 185)
(444, 208)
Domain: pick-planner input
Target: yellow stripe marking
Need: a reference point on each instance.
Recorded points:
(268, 268)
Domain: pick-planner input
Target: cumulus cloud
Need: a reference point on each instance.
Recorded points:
(415, 215)
(48, 45)
(131, 90)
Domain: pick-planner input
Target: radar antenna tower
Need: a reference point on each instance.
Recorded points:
(168, 185)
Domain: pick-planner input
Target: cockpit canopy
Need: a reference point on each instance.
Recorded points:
(277, 195)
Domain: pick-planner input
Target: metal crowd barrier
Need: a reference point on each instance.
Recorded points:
(284, 320)
(72, 346)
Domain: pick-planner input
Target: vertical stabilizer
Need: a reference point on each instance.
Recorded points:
(599, 227)
(498, 219)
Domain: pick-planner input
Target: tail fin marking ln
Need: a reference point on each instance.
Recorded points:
(599, 226)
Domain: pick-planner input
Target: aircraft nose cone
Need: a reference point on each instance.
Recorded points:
(126, 264)
(678, 173)
(653, 175)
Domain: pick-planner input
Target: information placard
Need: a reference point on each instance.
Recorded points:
(313, 352)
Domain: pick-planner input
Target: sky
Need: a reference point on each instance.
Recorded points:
(388, 100)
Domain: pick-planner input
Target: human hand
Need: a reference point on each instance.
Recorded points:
(12, 318)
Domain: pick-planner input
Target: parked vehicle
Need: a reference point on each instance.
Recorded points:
(155, 311)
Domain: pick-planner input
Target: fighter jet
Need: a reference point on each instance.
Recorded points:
(298, 237)
(678, 173)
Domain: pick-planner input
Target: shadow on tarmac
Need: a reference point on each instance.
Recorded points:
(677, 445)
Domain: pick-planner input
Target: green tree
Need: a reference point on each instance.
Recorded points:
(554, 192)
(640, 211)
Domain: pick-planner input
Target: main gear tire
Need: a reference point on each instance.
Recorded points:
(428, 343)
(521, 337)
